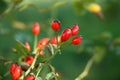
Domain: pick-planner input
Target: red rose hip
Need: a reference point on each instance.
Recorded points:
(36, 28)
(76, 40)
(75, 29)
(42, 43)
(55, 25)
(29, 59)
(56, 40)
(66, 34)
(30, 77)
(15, 71)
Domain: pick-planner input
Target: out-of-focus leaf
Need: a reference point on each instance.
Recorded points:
(17, 1)
(106, 35)
(116, 41)
(20, 48)
(3, 6)
(38, 78)
(79, 5)
(0, 77)
(99, 54)
(19, 25)
(25, 4)
(112, 9)
(50, 76)
(56, 5)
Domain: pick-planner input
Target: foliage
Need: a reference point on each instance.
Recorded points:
(100, 37)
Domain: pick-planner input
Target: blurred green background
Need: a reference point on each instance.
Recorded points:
(101, 37)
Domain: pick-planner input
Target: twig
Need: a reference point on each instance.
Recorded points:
(35, 43)
(86, 70)
(6, 61)
(40, 68)
(31, 67)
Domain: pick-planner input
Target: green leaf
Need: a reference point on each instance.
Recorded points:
(50, 76)
(20, 48)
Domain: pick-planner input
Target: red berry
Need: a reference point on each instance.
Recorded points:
(36, 28)
(66, 35)
(27, 46)
(55, 25)
(29, 59)
(15, 71)
(76, 40)
(42, 43)
(56, 40)
(30, 77)
(75, 29)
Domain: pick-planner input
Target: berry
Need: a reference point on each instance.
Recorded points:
(30, 77)
(29, 59)
(55, 25)
(66, 34)
(15, 71)
(42, 43)
(56, 40)
(36, 28)
(75, 29)
(76, 40)
(27, 46)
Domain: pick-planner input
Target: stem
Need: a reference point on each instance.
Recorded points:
(38, 72)
(6, 61)
(86, 70)
(31, 67)
(35, 42)
(57, 37)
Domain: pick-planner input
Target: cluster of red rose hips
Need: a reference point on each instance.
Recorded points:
(16, 70)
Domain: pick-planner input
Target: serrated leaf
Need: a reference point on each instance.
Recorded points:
(50, 76)
(20, 48)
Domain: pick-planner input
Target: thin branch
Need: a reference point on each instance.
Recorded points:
(6, 61)
(30, 68)
(86, 70)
